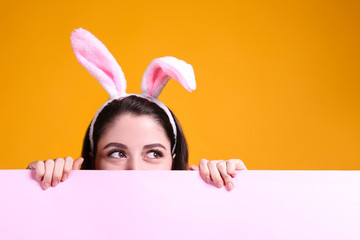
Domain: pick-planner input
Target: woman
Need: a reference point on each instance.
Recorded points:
(133, 132)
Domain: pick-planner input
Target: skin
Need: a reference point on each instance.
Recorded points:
(134, 143)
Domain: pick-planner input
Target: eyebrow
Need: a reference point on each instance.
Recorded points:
(123, 146)
(149, 146)
(114, 144)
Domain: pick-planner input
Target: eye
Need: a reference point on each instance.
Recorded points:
(154, 154)
(117, 154)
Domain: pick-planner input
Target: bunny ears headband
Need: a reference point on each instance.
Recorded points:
(96, 58)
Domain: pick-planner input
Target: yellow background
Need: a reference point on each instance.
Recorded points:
(278, 81)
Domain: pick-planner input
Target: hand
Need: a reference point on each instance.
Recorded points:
(51, 172)
(219, 171)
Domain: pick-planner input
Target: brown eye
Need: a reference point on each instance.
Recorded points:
(154, 155)
(117, 154)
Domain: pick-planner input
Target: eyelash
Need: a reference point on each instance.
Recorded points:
(114, 151)
(155, 151)
(159, 153)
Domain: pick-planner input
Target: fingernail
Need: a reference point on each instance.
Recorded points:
(233, 175)
(208, 180)
(46, 185)
(55, 183)
(230, 186)
(64, 176)
(219, 184)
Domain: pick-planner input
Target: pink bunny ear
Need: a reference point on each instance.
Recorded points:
(99, 62)
(159, 72)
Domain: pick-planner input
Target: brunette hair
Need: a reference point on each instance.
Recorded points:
(137, 106)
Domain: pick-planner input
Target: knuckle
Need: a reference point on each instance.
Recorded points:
(59, 160)
(230, 162)
(68, 158)
(221, 168)
(230, 168)
(212, 163)
(238, 161)
(203, 161)
(68, 164)
(241, 162)
(38, 164)
(49, 162)
(221, 163)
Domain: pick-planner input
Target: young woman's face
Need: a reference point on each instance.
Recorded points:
(134, 143)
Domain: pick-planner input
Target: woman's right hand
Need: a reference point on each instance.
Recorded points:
(52, 172)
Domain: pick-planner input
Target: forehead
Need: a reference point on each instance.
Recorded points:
(134, 131)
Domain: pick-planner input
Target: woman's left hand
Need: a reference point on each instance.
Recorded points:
(220, 172)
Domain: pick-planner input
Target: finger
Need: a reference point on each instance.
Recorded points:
(204, 170)
(49, 169)
(77, 163)
(39, 168)
(239, 165)
(69, 161)
(58, 171)
(222, 167)
(193, 167)
(230, 167)
(215, 174)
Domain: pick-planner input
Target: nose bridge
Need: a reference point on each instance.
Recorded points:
(133, 163)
